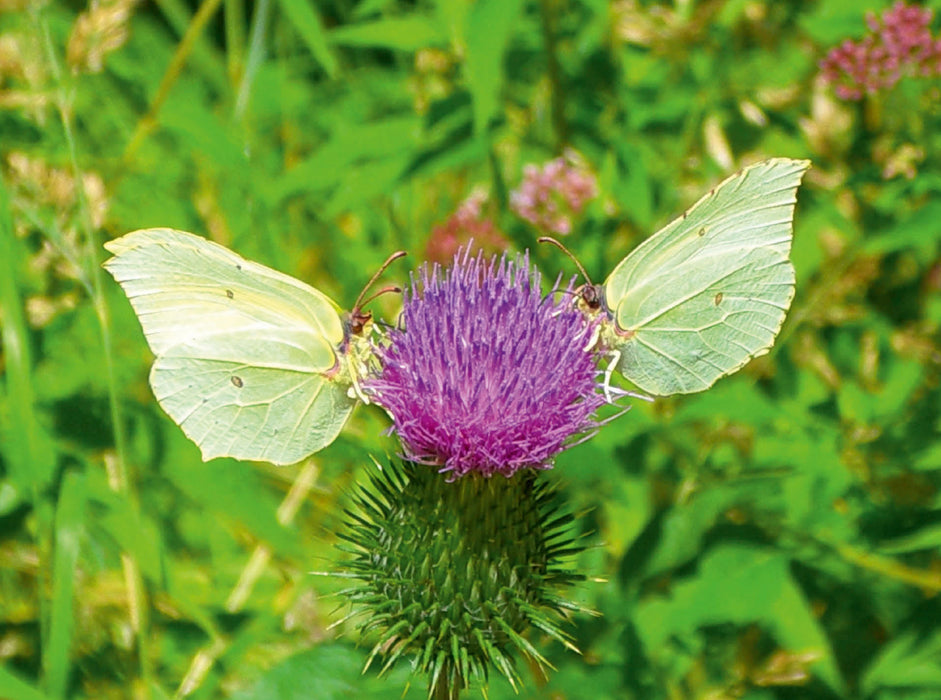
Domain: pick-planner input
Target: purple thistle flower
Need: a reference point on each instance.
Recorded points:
(899, 45)
(487, 375)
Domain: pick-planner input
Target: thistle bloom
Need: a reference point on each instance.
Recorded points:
(487, 375)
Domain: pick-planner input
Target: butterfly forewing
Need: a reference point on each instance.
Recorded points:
(184, 286)
(752, 209)
(710, 291)
(246, 356)
(732, 315)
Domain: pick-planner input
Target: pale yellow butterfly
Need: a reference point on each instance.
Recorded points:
(708, 292)
(250, 363)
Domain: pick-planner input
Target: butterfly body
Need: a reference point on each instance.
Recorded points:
(250, 363)
(707, 293)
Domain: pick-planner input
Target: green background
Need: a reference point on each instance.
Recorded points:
(774, 537)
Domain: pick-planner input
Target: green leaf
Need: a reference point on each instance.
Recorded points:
(682, 529)
(730, 399)
(867, 405)
(397, 33)
(626, 175)
(306, 21)
(349, 144)
(134, 532)
(205, 133)
(928, 537)
(910, 661)
(69, 531)
(364, 182)
(741, 585)
(232, 493)
(832, 22)
(918, 231)
(13, 687)
(489, 28)
(370, 7)
(334, 670)
(24, 445)
(930, 458)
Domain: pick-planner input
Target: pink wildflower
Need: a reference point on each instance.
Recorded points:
(551, 196)
(467, 223)
(899, 45)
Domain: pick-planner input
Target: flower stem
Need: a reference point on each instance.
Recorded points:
(554, 70)
(442, 691)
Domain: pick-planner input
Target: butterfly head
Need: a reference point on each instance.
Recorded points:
(356, 358)
(591, 299)
(590, 296)
(356, 322)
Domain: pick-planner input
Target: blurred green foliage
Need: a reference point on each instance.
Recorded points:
(775, 537)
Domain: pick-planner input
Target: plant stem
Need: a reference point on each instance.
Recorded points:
(117, 468)
(195, 29)
(443, 691)
(554, 71)
(256, 55)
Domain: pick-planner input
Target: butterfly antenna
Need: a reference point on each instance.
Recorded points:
(558, 244)
(391, 289)
(382, 268)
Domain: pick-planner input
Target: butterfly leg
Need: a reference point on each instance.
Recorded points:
(615, 357)
(593, 340)
(356, 391)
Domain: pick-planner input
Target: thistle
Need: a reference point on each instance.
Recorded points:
(453, 574)
(461, 550)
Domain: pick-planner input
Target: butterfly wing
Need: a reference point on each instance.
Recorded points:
(246, 356)
(708, 292)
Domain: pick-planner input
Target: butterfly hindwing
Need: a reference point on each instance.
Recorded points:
(258, 413)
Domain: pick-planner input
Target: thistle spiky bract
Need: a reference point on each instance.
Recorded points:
(452, 575)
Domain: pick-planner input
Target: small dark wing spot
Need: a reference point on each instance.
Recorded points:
(701, 231)
(718, 298)
(238, 266)
(237, 381)
(229, 293)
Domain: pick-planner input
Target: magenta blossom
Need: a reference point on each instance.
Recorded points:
(470, 222)
(899, 44)
(486, 375)
(551, 196)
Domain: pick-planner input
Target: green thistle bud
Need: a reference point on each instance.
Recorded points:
(452, 574)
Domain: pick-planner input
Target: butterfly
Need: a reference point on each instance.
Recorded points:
(250, 363)
(708, 292)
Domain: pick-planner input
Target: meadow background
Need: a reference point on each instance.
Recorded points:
(774, 537)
